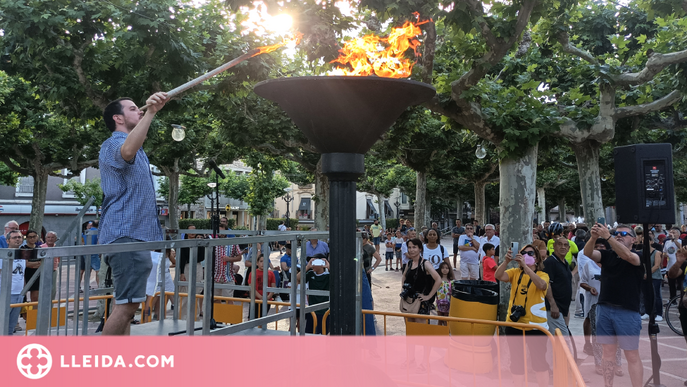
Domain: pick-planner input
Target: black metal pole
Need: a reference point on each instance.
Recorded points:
(342, 169)
(215, 234)
(649, 300)
(287, 200)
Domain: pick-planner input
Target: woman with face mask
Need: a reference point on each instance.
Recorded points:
(529, 284)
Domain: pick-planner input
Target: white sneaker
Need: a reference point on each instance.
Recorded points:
(278, 299)
(645, 316)
(659, 318)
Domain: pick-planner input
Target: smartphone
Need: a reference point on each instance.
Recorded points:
(514, 247)
(601, 220)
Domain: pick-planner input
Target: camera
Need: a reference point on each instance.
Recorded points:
(406, 292)
(516, 312)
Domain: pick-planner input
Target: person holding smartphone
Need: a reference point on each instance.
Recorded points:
(529, 285)
(618, 323)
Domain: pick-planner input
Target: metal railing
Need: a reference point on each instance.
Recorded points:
(71, 255)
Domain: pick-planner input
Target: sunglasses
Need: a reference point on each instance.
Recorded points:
(468, 228)
(622, 233)
(529, 252)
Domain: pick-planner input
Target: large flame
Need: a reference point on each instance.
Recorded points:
(383, 57)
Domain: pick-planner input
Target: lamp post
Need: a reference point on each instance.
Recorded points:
(288, 199)
(398, 212)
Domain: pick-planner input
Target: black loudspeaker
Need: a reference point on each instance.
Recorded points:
(644, 184)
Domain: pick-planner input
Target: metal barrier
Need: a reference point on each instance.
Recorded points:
(71, 256)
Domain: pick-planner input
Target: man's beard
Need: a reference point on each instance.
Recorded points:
(130, 125)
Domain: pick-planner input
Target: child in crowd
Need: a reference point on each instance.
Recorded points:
(271, 282)
(398, 245)
(444, 291)
(489, 263)
(389, 262)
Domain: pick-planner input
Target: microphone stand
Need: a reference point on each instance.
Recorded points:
(649, 300)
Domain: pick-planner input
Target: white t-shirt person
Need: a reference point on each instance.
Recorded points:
(468, 256)
(435, 256)
(18, 268)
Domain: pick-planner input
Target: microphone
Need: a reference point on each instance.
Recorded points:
(218, 171)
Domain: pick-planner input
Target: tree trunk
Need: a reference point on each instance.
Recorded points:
(480, 203)
(420, 200)
(262, 222)
(382, 211)
(321, 216)
(587, 155)
(459, 210)
(173, 198)
(40, 189)
(517, 193)
(541, 201)
(562, 218)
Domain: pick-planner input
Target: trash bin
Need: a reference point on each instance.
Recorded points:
(493, 286)
(472, 299)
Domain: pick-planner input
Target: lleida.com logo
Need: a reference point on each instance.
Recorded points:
(34, 361)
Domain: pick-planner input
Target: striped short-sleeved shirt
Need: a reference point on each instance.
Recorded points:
(129, 207)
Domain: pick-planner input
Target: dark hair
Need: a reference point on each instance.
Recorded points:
(31, 232)
(487, 247)
(96, 223)
(603, 242)
(112, 108)
(287, 246)
(426, 233)
(416, 242)
(12, 232)
(538, 259)
(450, 272)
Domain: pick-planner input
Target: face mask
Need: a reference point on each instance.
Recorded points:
(529, 261)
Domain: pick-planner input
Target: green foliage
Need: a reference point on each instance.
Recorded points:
(273, 223)
(83, 191)
(265, 186)
(392, 223)
(7, 176)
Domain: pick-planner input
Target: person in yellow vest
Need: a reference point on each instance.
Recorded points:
(529, 285)
(556, 230)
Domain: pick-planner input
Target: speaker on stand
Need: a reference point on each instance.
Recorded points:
(645, 194)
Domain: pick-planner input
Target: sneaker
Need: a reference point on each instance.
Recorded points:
(18, 328)
(387, 269)
(588, 349)
(579, 315)
(659, 318)
(645, 316)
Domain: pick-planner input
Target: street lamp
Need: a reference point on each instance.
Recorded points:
(288, 199)
(398, 212)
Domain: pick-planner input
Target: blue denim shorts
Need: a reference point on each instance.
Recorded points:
(616, 325)
(130, 271)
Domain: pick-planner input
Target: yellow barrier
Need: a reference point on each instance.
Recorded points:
(565, 371)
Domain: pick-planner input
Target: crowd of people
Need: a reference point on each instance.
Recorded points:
(595, 274)
(24, 270)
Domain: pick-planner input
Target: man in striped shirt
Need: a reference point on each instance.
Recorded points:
(129, 208)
